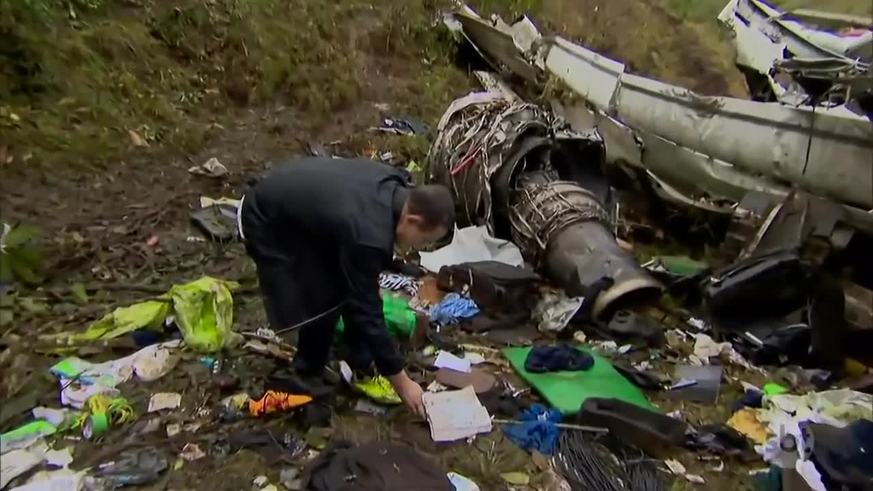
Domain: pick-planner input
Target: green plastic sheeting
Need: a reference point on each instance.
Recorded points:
(399, 318)
(566, 391)
(202, 309)
(204, 313)
(123, 320)
(29, 432)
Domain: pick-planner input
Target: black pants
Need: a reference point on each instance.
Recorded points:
(300, 281)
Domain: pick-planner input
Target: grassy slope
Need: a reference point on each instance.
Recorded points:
(74, 83)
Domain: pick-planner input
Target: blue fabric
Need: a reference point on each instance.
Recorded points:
(453, 308)
(537, 430)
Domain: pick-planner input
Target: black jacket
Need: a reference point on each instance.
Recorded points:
(337, 219)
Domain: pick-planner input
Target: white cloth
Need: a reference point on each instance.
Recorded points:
(239, 227)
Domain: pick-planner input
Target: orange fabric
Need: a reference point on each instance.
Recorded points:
(274, 401)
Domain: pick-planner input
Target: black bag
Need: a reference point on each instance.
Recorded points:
(497, 288)
(766, 286)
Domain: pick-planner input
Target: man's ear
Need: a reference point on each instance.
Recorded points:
(416, 220)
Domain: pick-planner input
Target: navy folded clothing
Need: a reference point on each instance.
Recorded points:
(557, 358)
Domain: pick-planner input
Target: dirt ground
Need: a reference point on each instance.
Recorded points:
(104, 105)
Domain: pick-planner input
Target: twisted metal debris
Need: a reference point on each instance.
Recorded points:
(518, 169)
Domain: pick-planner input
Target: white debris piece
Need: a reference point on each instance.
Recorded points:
(445, 359)
(455, 415)
(555, 311)
(472, 244)
(211, 168)
(164, 400)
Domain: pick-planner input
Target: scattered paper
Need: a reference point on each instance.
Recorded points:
(474, 358)
(445, 359)
(16, 463)
(675, 467)
(783, 413)
(436, 387)
(173, 429)
(462, 483)
(59, 458)
(58, 480)
(346, 372)
(555, 311)
(206, 202)
(472, 244)
(80, 379)
(191, 452)
(696, 479)
(810, 474)
(455, 415)
(164, 400)
(745, 421)
(678, 469)
(367, 407)
(705, 348)
(212, 168)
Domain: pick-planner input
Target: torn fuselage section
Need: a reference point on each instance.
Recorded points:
(520, 170)
(811, 58)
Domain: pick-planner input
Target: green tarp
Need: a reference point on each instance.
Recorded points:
(202, 309)
(566, 391)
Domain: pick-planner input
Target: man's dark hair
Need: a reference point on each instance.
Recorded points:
(434, 204)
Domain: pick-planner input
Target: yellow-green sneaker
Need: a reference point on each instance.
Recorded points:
(379, 389)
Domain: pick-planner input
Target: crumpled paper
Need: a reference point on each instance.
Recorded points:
(555, 311)
(705, 348)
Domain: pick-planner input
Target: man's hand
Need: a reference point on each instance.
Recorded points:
(409, 391)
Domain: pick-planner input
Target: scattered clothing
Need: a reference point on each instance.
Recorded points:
(398, 282)
(537, 430)
(373, 467)
(452, 309)
(499, 290)
(557, 359)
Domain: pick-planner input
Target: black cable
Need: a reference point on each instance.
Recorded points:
(601, 464)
